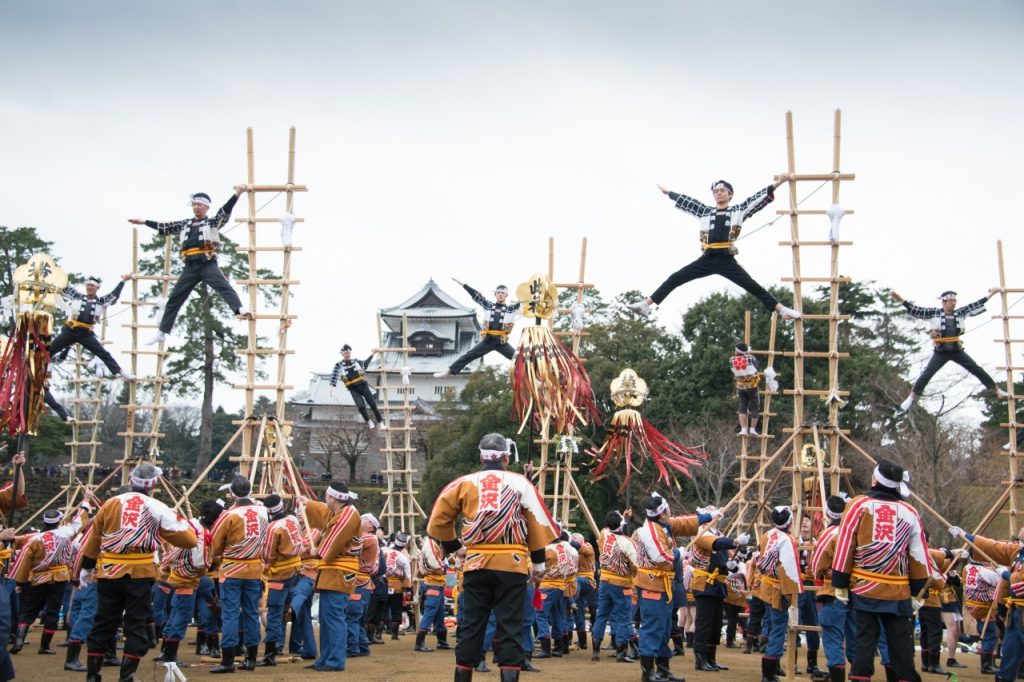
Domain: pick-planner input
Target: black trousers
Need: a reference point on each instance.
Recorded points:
(395, 607)
(504, 593)
(755, 618)
(71, 335)
(490, 343)
(200, 271)
(377, 613)
(60, 409)
(899, 633)
(732, 618)
(35, 597)
(707, 628)
(123, 599)
(722, 264)
(363, 396)
(940, 358)
(931, 628)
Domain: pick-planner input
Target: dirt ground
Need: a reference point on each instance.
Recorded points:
(396, 660)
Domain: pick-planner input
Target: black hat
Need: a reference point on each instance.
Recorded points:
(782, 517)
(742, 347)
(725, 184)
(613, 520)
(209, 512)
(240, 486)
(346, 347)
(835, 505)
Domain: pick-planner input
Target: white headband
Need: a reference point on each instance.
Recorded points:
(901, 486)
(495, 455)
(93, 281)
(276, 508)
(662, 508)
(147, 482)
(343, 497)
(789, 520)
(372, 519)
(947, 296)
(48, 519)
(194, 199)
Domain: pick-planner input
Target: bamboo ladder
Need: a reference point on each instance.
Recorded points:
(401, 511)
(85, 409)
(558, 469)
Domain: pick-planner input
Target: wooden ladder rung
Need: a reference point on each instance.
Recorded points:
(275, 316)
(815, 243)
(808, 211)
(267, 282)
(760, 436)
(156, 278)
(1008, 340)
(261, 249)
(572, 333)
(80, 443)
(822, 177)
(139, 434)
(817, 279)
(86, 422)
(148, 352)
(573, 285)
(263, 351)
(265, 387)
(277, 188)
(140, 325)
(1008, 317)
(263, 220)
(812, 354)
(828, 316)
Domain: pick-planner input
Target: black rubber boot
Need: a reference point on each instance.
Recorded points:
(213, 644)
(891, 676)
(171, 650)
(837, 673)
(129, 664)
(677, 645)
(649, 673)
(926, 661)
(545, 648)
(633, 651)
(19, 638)
(987, 667)
(160, 657)
(72, 661)
(769, 666)
(812, 663)
(952, 663)
(528, 664)
(936, 666)
(201, 649)
(567, 643)
(394, 630)
(595, 653)
(581, 639)
(421, 637)
(762, 643)
(463, 674)
(748, 644)
(94, 664)
(44, 644)
(378, 634)
(249, 662)
(442, 640)
(481, 667)
(624, 654)
(270, 652)
(151, 637)
(510, 675)
(556, 646)
(712, 657)
(689, 639)
(666, 672)
(227, 661)
(701, 664)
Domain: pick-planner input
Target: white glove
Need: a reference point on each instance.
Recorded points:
(843, 595)
(85, 577)
(770, 381)
(578, 312)
(406, 374)
(957, 532)
(743, 539)
(731, 564)
(916, 604)
(794, 614)
(715, 512)
(960, 553)
(287, 221)
(835, 215)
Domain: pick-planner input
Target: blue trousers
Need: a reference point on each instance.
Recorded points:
(358, 643)
(586, 597)
(614, 605)
(6, 666)
(807, 614)
(183, 605)
(205, 594)
(838, 632)
(489, 632)
(12, 597)
(303, 640)
(778, 620)
(432, 605)
(333, 630)
(883, 644)
(554, 612)
(988, 641)
(1013, 646)
(655, 624)
(162, 593)
(240, 602)
(83, 612)
(278, 594)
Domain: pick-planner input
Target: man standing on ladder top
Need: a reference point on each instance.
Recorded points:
(353, 374)
(719, 228)
(500, 318)
(945, 326)
(506, 527)
(85, 311)
(881, 564)
(199, 245)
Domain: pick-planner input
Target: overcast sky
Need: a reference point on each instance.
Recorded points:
(452, 138)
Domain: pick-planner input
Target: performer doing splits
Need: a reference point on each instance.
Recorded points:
(719, 228)
(199, 246)
(501, 317)
(946, 324)
(353, 374)
(85, 311)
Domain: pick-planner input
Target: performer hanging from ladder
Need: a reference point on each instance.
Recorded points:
(199, 245)
(353, 374)
(946, 325)
(744, 369)
(85, 311)
(719, 228)
(500, 318)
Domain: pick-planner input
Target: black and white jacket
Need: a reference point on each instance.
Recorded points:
(350, 372)
(501, 316)
(89, 309)
(945, 326)
(198, 234)
(735, 215)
